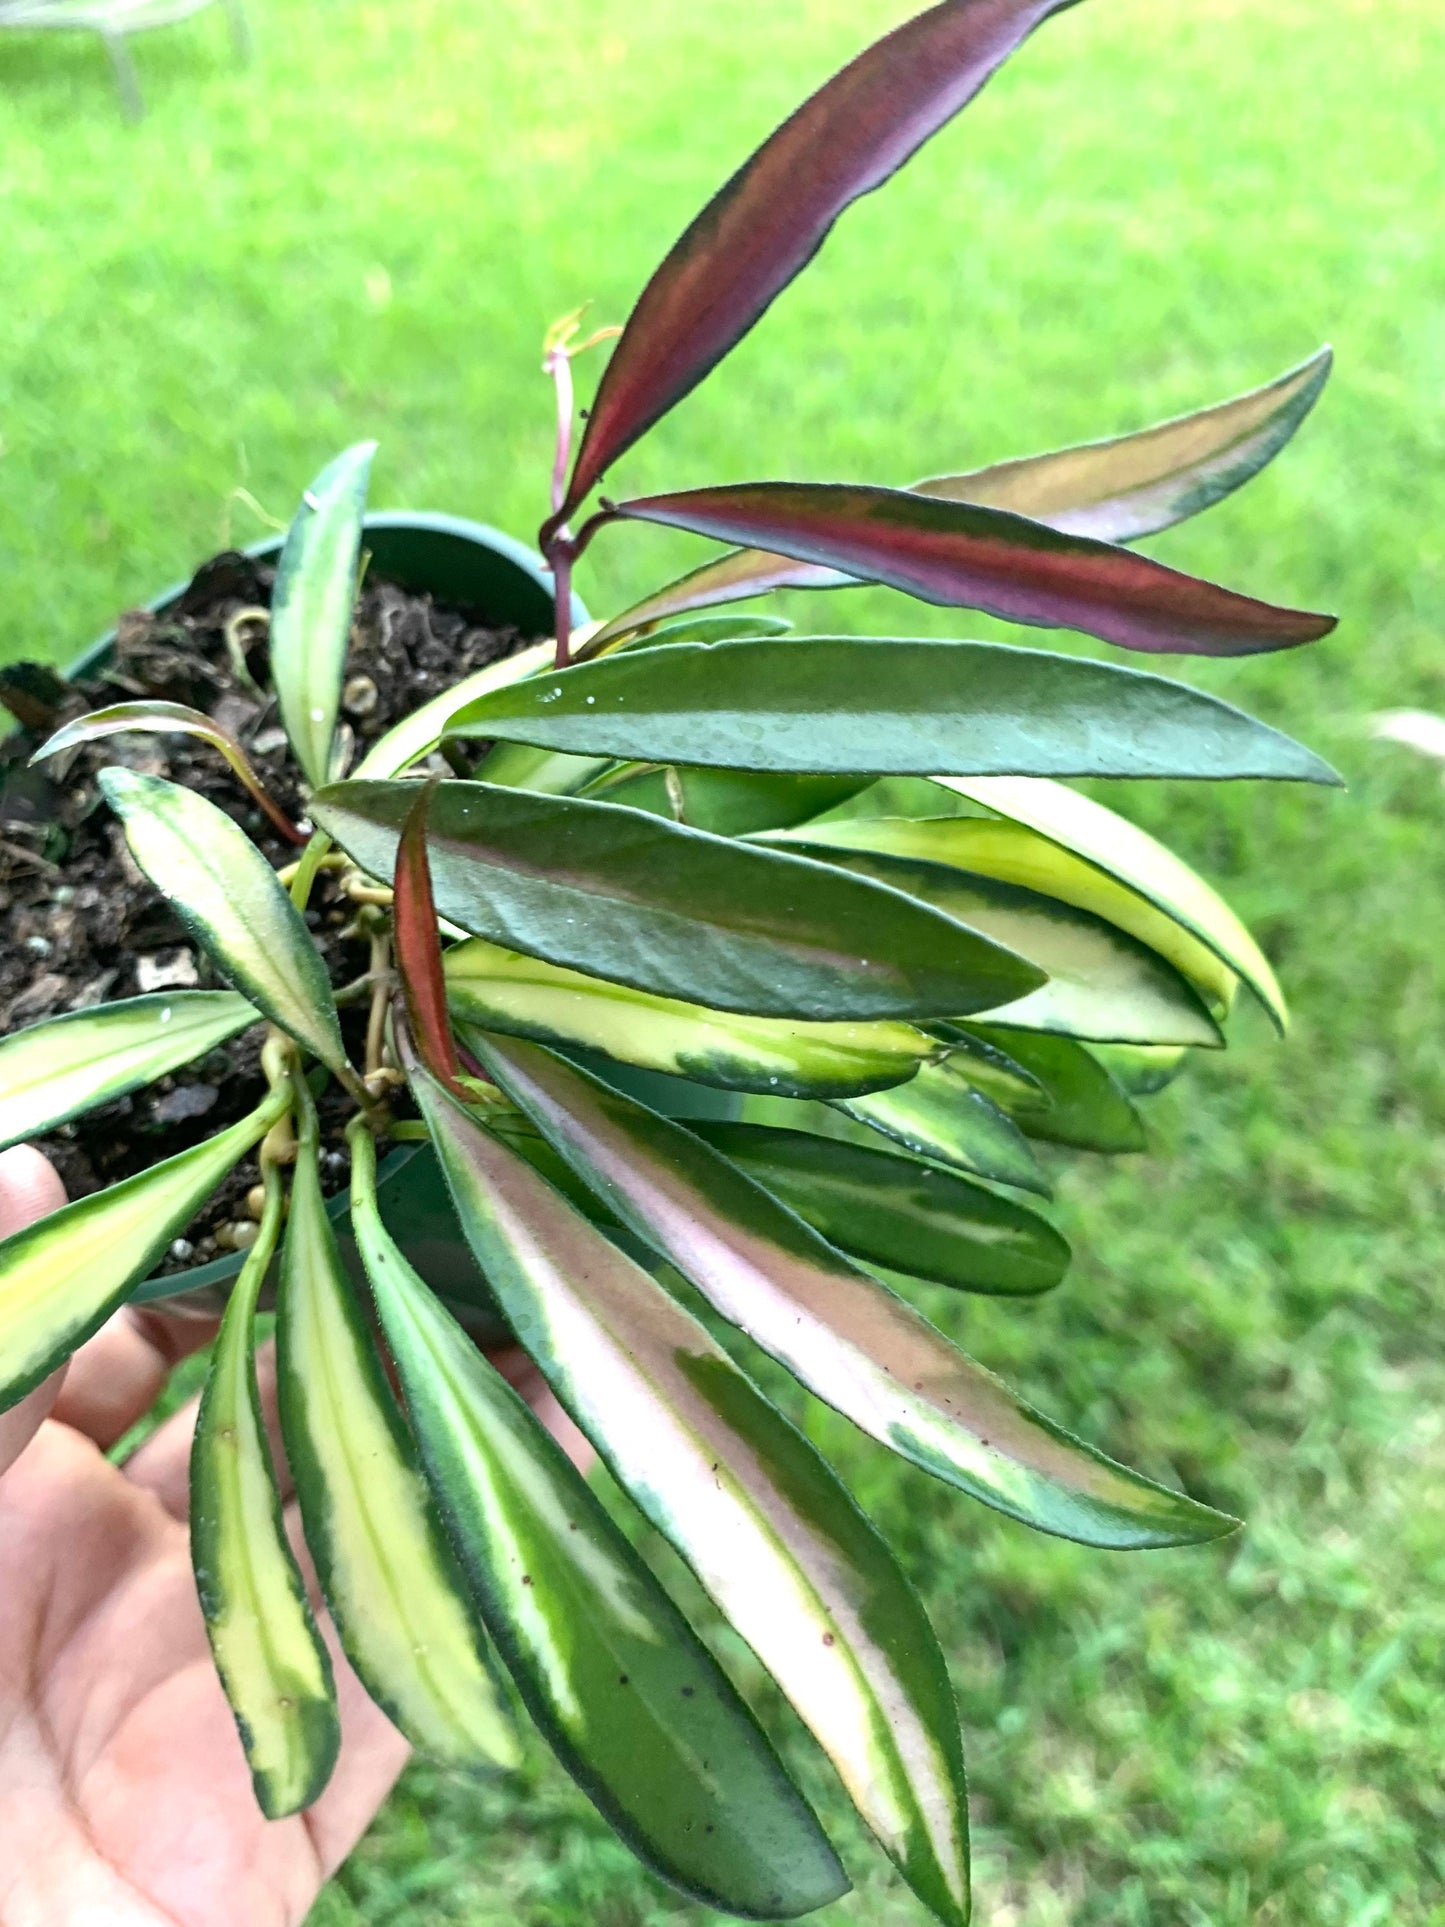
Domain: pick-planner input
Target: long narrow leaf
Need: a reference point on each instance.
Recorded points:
(897, 1212)
(939, 1114)
(311, 607)
(498, 989)
(418, 734)
(69, 1064)
(729, 802)
(271, 1659)
(845, 705)
(770, 1533)
(843, 1334)
(766, 224)
(417, 942)
(1100, 836)
(662, 908)
(1116, 491)
(228, 897)
(635, 1706)
(160, 718)
(1081, 1104)
(1102, 982)
(1020, 858)
(396, 1595)
(966, 556)
(60, 1279)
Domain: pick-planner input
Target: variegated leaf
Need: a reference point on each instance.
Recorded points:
(773, 1537)
(398, 1599)
(228, 897)
(909, 1217)
(311, 607)
(1080, 1105)
(502, 990)
(61, 1278)
(634, 1704)
(272, 1660)
(69, 1064)
(1101, 837)
(843, 1334)
(939, 1114)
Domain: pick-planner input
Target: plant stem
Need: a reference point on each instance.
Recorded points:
(559, 555)
(381, 987)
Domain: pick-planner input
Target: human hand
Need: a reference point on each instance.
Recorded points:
(124, 1792)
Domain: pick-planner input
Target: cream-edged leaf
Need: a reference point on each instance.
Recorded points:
(56, 1069)
(229, 898)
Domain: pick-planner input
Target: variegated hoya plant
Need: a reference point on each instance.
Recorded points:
(837, 877)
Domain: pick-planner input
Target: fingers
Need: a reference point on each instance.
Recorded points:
(29, 1188)
(117, 1376)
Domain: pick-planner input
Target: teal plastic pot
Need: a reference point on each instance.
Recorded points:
(502, 583)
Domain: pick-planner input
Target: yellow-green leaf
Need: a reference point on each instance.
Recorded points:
(229, 898)
(392, 1584)
(66, 1065)
(502, 990)
(268, 1652)
(61, 1278)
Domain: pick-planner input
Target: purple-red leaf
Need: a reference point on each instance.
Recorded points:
(986, 558)
(418, 946)
(771, 218)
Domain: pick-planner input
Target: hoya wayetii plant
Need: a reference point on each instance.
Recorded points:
(731, 978)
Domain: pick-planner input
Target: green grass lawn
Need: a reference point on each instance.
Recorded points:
(365, 235)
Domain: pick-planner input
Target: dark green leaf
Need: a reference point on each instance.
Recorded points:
(845, 705)
(640, 901)
(939, 1114)
(897, 1212)
(1084, 1107)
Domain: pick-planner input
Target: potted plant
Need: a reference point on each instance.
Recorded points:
(584, 890)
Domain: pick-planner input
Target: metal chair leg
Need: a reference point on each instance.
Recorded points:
(241, 34)
(126, 78)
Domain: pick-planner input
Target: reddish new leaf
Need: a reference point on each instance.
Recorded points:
(768, 222)
(418, 946)
(985, 558)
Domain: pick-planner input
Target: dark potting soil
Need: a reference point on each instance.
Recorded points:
(81, 926)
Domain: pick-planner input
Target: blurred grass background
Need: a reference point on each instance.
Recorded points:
(366, 234)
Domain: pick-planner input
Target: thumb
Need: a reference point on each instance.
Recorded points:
(29, 1188)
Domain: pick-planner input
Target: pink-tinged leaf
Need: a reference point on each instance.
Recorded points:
(175, 719)
(1116, 490)
(984, 558)
(768, 222)
(418, 945)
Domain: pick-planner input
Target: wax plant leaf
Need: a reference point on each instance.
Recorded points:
(1081, 1106)
(417, 944)
(648, 903)
(56, 1069)
(1116, 491)
(311, 607)
(228, 897)
(397, 1597)
(272, 1661)
(1138, 484)
(848, 705)
(769, 220)
(772, 1536)
(635, 1706)
(162, 718)
(1101, 982)
(62, 1277)
(1140, 1069)
(965, 556)
(1123, 851)
(729, 802)
(417, 735)
(898, 1212)
(940, 1114)
(843, 1334)
(502, 990)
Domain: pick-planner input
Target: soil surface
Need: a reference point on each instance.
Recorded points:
(81, 926)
